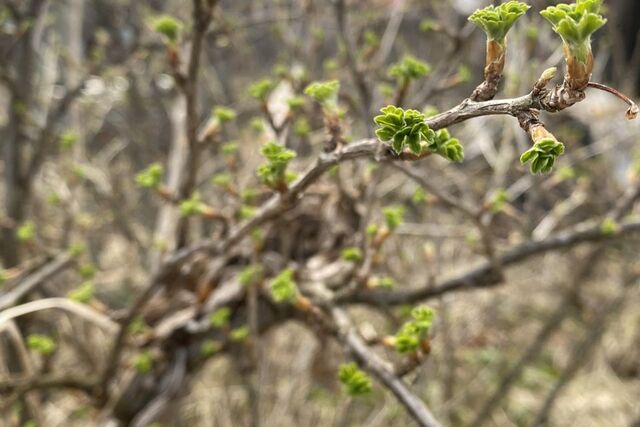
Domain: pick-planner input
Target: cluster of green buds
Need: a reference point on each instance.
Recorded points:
(274, 173)
(285, 290)
(195, 206)
(325, 93)
(355, 381)
(83, 294)
(575, 23)
(414, 333)
(168, 26)
(408, 69)
(545, 151)
(261, 89)
(151, 177)
(42, 344)
(407, 128)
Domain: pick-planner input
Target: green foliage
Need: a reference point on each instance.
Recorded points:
(543, 155)
(326, 93)
(372, 230)
(496, 21)
(143, 362)
(446, 146)
(137, 326)
(499, 200)
(221, 180)
(411, 334)
(192, 206)
(609, 226)
(407, 128)
(220, 317)
(261, 89)
(4, 276)
(87, 271)
(410, 68)
(385, 282)
(250, 274)
(168, 26)
(401, 128)
(151, 177)
(419, 196)
(247, 212)
(393, 216)
(273, 173)
(355, 381)
(427, 25)
(210, 347)
(224, 114)
(229, 148)
(76, 249)
(302, 127)
(351, 254)
(371, 39)
(295, 103)
(42, 344)
(26, 231)
(575, 23)
(68, 139)
(82, 294)
(283, 287)
(239, 334)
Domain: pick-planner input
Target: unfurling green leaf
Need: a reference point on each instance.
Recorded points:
(168, 26)
(151, 177)
(143, 362)
(393, 216)
(496, 21)
(220, 317)
(42, 344)
(274, 172)
(224, 114)
(283, 287)
(543, 155)
(261, 89)
(26, 231)
(192, 206)
(402, 128)
(414, 331)
(577, 21)
(83, 294)
(355, 381)
(326, 93)
(410, 68)
(351, 254)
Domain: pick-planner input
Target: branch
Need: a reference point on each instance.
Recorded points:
(24, 385)
(380, 369)
(484, 275)
(80, 310)
(35, 279)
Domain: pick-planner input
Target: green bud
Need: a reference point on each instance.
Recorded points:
(224, 114)
(410, 68)
(326, 93)
(168, 26)
(42, 344)
(283, 287)
(83, 294)
(496, 21)
(151, 177)
(220, 317)
(355, 381)
(352, 254)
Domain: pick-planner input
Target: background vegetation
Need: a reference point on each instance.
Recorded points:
(193, 233)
